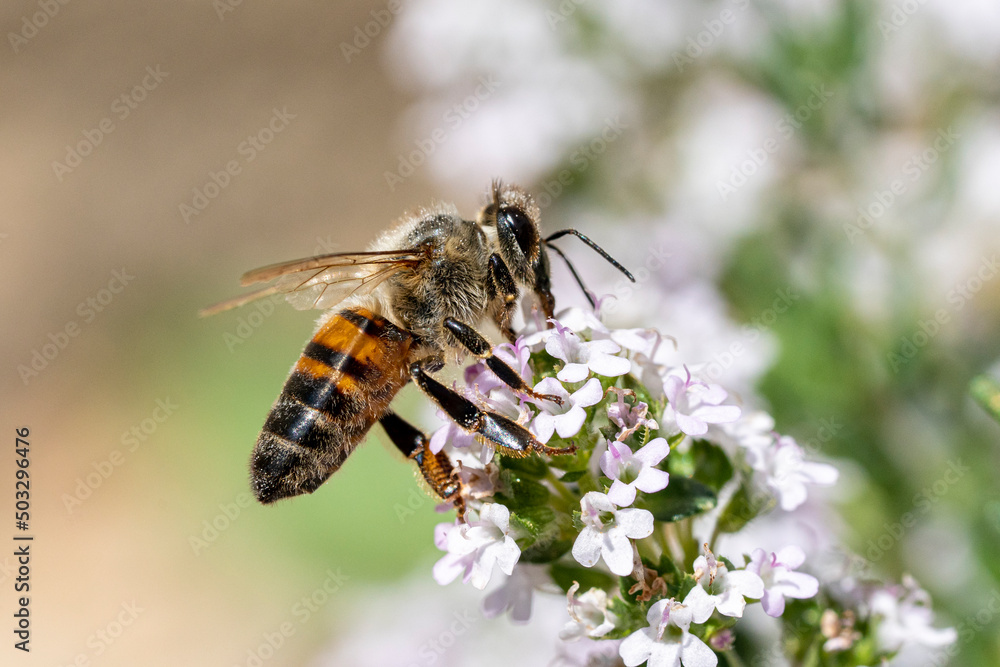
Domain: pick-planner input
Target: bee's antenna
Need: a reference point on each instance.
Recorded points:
(599, 249)
(579, 281)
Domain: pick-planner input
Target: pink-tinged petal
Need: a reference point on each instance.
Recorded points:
(610, 463)
(717, 414)
(609, 366)
(604, 346)
(543, 426)
(673, 386)
(621, 494)
(552, 386)
(696, 653)
(587, 548)
(447, 569)
(757, 559)
(798, 585)
(654, 451)
(617, 552)
(573, 373)
(569, 424)
(438, 439)
(636, 648)
(700, 603)
(651, 480)
(773, 604)
(791, 557)
(791, 496)
(690, 425)
(713, 394)
(636, 522)
(596, 501)
(749, 584)
(820, 473)
(589, 394)
(441, 535)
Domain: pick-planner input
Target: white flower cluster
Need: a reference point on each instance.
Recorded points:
(587, 360)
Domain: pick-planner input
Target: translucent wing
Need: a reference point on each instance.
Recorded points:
(323, 281)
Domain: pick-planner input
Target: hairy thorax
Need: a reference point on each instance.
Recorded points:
(451, 282)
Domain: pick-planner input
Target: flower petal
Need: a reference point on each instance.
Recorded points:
(637, 647)
(569, 424)
(617, 552)
(654, 451)
(636, 523)
(622, 494)
(587, 548)
(573, 373)
(696, 653)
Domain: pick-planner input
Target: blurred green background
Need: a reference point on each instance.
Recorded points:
(849, 350)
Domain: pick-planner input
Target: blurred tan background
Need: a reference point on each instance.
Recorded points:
(317, 187)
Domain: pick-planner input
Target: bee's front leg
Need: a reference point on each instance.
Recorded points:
(504, 293)
(475, 343)
(507, 435)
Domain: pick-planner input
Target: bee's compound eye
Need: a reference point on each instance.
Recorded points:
(525, 232)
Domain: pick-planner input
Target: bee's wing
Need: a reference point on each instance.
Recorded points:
(323, 281)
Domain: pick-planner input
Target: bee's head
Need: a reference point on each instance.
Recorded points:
(515, 215)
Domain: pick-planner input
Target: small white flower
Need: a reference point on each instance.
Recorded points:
(634, 471)
(727, 589)
(516, 593)
(607, 531)
(693, 404)
(753, 432)
(787, 472)
(780, 581)
(581, 357)
(906, 619)
(589, 614)
(475, 547)
(629, 419)
(568, 418)
(667, 642)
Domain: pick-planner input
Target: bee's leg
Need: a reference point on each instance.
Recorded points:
(479, 346)
(507, 435)
(504, 289)
(435, 468)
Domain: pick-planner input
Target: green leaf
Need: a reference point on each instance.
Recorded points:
(572, 476)
(682, 498)
(986, 391)
(527, 466)
(711, 465)
(744, 506)
(519, 493)
(564, 574)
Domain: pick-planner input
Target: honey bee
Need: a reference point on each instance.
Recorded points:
(394, 314)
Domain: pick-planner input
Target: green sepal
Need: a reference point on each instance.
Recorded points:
(682, 498)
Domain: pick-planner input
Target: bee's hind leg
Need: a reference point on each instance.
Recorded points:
(475, 343)
(436, 469)
(507, 435)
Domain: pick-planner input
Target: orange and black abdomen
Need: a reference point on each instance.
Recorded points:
(341, 385)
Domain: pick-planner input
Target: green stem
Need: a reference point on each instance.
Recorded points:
(733, 659)
(572, 502)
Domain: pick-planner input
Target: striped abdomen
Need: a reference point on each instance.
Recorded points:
(341, 385)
